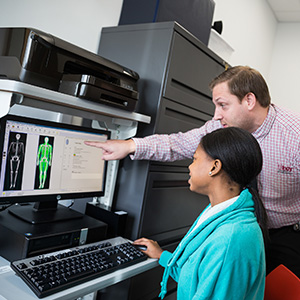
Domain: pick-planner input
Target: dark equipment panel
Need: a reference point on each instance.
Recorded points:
(175, 69)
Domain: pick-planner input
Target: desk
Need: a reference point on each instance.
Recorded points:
(12, 287)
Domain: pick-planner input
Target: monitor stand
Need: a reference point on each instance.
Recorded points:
(43, 212)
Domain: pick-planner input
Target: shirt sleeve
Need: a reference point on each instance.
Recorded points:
(172, 147)
(164, 258)
(163, 261)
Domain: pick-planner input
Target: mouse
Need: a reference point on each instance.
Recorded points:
(141, 247)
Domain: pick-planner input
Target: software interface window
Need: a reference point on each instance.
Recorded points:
(44, 159)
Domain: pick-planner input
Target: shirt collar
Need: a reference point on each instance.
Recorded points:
(211, 210)
(262, 131)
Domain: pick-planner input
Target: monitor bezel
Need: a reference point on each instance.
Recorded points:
(53, 196)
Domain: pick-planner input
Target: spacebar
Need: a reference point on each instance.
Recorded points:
(79, 275)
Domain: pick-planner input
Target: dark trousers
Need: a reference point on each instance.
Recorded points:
(284, 248)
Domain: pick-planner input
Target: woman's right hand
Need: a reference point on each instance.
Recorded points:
(153, 249)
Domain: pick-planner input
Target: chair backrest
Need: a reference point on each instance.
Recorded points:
(282, 284)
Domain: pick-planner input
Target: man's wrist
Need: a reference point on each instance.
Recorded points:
(132, 146)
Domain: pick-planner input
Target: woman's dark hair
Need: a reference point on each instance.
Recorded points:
(241, 159)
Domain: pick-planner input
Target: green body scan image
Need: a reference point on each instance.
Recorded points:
(44, 158)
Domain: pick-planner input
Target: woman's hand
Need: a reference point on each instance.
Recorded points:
(153, 249)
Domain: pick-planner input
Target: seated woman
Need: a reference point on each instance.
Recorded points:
(222, 256)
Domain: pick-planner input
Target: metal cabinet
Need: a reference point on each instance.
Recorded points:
(175, 69)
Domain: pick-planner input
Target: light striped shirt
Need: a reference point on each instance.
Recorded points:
(279, 180)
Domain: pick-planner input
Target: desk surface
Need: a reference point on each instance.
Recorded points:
(12, 287)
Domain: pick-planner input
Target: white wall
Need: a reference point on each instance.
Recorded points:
(260, 42)
(249, 27)
(78, 22)
(284, 75)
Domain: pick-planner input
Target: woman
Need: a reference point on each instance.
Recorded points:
(222, 256)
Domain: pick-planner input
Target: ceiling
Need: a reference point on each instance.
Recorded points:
(286, 10)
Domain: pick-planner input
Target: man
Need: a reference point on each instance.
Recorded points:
(241, 99)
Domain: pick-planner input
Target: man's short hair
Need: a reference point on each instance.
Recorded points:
(242, 80)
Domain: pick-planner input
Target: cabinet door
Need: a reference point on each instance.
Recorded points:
(175, 117)
(170, 207)
(189, 73)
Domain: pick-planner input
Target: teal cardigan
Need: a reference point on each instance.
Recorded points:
(223, 258)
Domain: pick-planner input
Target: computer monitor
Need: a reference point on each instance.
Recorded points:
(44, 162)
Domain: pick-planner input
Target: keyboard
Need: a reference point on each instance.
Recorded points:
(53, 272)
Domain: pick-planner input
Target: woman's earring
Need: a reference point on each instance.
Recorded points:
(210, 173)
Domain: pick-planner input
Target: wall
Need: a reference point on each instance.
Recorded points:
(249, 27)
(78, 22)
(284, 72)
(260, 42)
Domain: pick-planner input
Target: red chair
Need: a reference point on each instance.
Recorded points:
(282, 284)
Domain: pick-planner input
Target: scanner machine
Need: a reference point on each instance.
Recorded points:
(38, 58)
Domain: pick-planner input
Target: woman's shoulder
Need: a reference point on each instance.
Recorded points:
(235, 233)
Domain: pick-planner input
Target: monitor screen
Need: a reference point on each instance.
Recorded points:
(48, 161)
